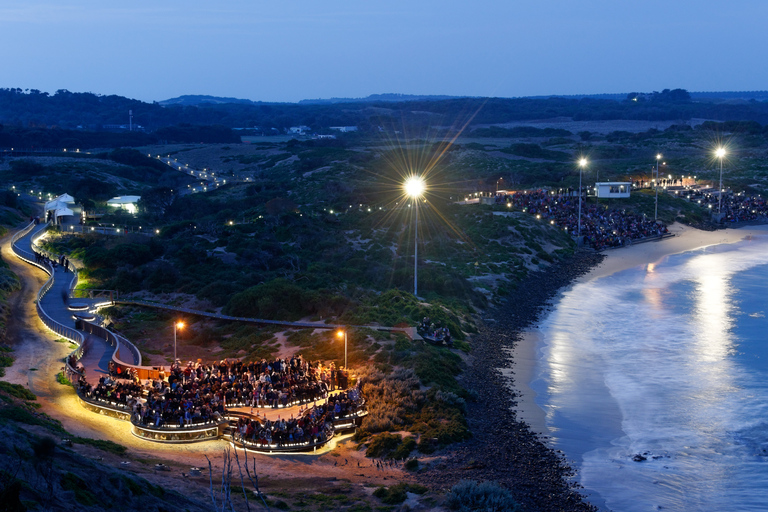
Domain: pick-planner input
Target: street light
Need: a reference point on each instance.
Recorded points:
(582, 164)
(414, 188)
(656, 208)
(176, 325)
(343, 333)
(720, 153)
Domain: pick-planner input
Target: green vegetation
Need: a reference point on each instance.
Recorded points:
(396, 494)
(17, 391)
(62, 379)
(101, 444)
(470, 496)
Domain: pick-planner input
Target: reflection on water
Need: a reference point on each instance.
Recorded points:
(643, 362)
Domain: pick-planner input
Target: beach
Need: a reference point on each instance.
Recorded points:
(604, 405)
(525, 352)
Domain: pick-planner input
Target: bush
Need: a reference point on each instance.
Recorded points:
(62, 379)
(17, 390)
(403, 449)
(382, 444)
(412, 464)
(469, 495)
(397, 493)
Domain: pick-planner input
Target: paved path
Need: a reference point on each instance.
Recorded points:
(97, 351)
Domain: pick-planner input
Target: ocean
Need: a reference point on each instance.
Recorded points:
(654, 381)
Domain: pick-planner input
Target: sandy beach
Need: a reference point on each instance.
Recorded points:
(526, 351)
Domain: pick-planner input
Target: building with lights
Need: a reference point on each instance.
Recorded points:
(613, 189)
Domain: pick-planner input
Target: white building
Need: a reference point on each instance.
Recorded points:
(343, 129)
(127, 203)
(613, 189)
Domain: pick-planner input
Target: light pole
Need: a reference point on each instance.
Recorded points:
(720, 153)
(656, 208)
(582, 164)
(176, 325)
(414, 188)
(343, 333)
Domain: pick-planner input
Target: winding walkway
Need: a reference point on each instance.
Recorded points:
(94, 353)
(98, 346)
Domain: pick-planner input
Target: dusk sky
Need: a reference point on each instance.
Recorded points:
(301, 49)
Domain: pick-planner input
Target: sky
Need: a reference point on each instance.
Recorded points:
(304, 49)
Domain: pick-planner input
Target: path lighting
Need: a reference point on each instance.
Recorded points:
(176, 326)
(656, 186)
(414, 188)
(342, 333)
(720, 153)
(582, 165)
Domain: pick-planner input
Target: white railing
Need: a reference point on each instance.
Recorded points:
(69, 333)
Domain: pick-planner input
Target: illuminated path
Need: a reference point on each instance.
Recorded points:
(58, 313)
(97, 352)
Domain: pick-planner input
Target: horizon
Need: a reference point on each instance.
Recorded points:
(279, 53)
(405, 95)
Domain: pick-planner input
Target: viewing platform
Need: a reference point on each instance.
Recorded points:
(77, 320)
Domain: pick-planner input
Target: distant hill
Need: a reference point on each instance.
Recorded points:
(391, 97)
(189, 100)
(201, 99)
(30, 118)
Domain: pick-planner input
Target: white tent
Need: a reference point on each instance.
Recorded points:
(63, 212)
(54, 205)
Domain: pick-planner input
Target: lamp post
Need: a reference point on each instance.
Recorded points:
(582, 164)
(414, 188)
(343, 333)
(176, 325)
(720, 153)
(656, 208)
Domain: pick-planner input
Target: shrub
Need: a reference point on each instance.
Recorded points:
(403, 449)
(17, 390)
(382, 444)
(397, 493)
(412, 464)
(468, 495)
(62, 379)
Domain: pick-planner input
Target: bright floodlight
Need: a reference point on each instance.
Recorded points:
(582, 162)
(180, 325)
(658, 157)
(414, 186)
(720, 153)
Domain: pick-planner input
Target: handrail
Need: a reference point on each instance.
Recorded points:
(67, 332)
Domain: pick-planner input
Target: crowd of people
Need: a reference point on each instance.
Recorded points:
(435, 333)
(736, 207)
(313, 424)
(198, 394)
(601, 227)
(44, 259)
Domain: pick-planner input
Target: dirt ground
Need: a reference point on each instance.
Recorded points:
(339, 468)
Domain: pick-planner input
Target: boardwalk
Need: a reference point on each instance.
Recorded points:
(97, 352)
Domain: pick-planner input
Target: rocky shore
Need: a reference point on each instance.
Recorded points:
(504, 449)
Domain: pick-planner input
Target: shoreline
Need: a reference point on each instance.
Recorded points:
(504, 448)
(510, 443)
(526, 351)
